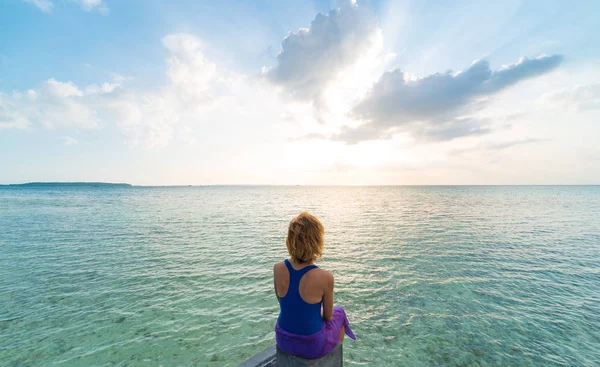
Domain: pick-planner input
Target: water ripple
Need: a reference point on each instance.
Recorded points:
(429, 276)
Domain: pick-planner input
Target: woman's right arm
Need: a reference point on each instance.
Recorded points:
(328, 297)
(274, 282)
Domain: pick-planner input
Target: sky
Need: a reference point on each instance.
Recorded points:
(297, 92)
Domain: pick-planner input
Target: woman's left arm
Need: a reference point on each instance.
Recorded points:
(328, 297)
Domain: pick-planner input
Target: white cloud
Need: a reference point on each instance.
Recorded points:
(43, 5)
(93, 5)
(62, 90)
(396, 99)
(11, 117)
(150, 118)
(190, 73)
(337, 64)
(104, 88)
(578, 99)
(439, 106)
(86, 5)
(311, 58)
(147, 120)
(68, 141)
(197, 93)
(89, 5)
(11, 122)
(154, 118)
(54, 104)
(497, 146)
(63, 105)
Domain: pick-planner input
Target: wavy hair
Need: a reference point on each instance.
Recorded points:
(305, 238)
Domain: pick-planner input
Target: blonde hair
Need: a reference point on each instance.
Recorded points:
(305, 238)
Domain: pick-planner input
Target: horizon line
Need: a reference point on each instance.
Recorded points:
(83, 183)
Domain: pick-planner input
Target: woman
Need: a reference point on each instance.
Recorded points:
(308, 325)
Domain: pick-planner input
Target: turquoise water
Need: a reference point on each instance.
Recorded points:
(455, 276)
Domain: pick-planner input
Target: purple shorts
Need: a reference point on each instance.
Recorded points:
(318, 344)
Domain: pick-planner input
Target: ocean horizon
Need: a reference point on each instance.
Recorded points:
(125, 184)
(182, 275)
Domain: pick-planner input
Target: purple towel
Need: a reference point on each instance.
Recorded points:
(315, 345)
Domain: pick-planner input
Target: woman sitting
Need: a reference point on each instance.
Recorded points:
(308, 325)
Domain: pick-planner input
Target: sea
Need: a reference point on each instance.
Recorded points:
(182, 276)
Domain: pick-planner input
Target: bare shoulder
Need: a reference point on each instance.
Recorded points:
(324, 276)
(278, 266)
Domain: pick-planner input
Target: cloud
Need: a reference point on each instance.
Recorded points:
(105, 87)
(151, 118)
(580, 98)
(62, 90)
(54, 104)
(497, 146)
(397, 99)
(442, 131)
(437, 106)
(86, 5)
(312, 57)
(190, 72)
(10, 116)
(452, 129)
(147, 119)
(62, 105)
(68, 141)
(89, 5)
(43, 5)
(508, 144)
(350, 135)
(195, 85)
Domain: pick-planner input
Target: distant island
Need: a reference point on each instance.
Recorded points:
(69, 184)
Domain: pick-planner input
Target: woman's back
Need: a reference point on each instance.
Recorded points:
(300, 292)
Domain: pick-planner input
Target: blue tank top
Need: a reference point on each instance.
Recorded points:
(295, 315)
